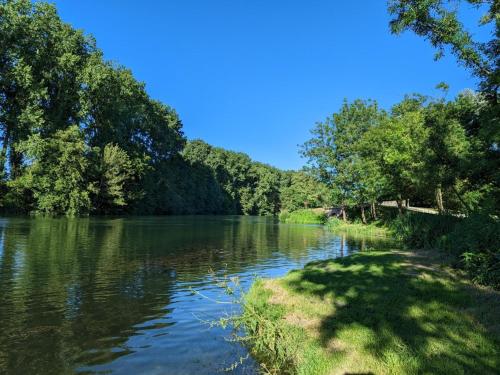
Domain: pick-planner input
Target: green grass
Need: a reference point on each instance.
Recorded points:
(372, 229)
(305, 216)
(374, 312)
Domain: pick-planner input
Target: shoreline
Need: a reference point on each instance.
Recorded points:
(375, 312)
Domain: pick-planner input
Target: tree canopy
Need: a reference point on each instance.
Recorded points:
(80, 135)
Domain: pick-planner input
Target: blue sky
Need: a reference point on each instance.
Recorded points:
(255, 75)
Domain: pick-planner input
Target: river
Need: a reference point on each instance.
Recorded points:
(127, 295)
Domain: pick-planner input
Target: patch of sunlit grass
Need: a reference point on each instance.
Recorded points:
(382, 313)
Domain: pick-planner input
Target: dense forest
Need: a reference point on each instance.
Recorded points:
(80, 135)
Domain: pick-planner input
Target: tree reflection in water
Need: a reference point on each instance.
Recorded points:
(112, 294)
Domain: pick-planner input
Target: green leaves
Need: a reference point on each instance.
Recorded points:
(249, 187)
(117, 178)
(438, 21)
(303, 190)
(57, 173)
(55, 89)
(338, 154)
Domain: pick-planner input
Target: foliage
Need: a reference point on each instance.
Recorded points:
(249, 187)
(302, 190)
(116, 175)
(304, 216)
(335, 155)
(373, 229)
(272, 343)
(56, 175)
(132, 153)
(430, 151)
(473, 241)
(439, 22)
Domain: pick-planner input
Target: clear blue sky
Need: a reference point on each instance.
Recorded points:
(255, 75)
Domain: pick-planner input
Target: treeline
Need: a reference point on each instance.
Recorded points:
(80, 135)
(433, 152)
(439, 152)
(242, 186)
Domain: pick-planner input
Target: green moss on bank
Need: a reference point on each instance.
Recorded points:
(375, 312)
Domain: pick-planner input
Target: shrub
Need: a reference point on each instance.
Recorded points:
(474, 240)
(305, 216)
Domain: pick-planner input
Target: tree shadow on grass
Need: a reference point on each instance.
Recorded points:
(411, 314)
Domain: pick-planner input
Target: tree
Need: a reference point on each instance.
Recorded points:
(478, 114)
(478, 182)
(117, 177)
(397, 146)
(40, 61)
(266, 191)
(115, 108)
(57, 173)
(333, 150)
(448, 149)
(302, 190)
(249, 187)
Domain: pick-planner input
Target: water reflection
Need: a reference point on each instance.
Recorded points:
(113, 295)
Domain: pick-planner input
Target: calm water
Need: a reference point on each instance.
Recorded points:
(116, 295)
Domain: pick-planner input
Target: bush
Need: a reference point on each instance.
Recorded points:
(477, 241)
(419, 230)
(305, 216)
(353, 228)
(474, 241)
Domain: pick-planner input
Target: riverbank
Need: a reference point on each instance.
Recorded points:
(375, 312)
(471, 242)
(305, 216)
(376, 229)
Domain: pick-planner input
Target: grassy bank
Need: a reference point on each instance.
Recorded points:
(305, 216)
(375, 312)
(471, 243)
(372, 229)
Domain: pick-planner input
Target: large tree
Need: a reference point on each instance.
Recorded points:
(41, 58)
(333, 151)
(301, 189)
(478, 114)
(57, 175)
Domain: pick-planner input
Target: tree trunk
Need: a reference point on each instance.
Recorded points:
(3, 152)
(15, 161)
(344, 215)
(439, 199)
(400, 206)
(363, 217)
(373, 211)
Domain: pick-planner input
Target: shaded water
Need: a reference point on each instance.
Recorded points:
(114, 295)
